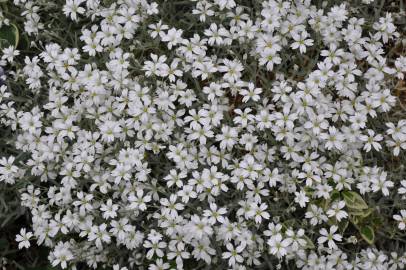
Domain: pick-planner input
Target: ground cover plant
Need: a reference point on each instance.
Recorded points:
(202, 134)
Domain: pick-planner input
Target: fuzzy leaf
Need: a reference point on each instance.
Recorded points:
(309, 243)
(343, 226)
(9, 35)
(361, 213)
(354, 201)
(367, 232)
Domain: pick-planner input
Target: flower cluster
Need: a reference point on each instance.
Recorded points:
(239, 136)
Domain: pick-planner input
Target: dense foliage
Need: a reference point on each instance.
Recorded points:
(203, 134)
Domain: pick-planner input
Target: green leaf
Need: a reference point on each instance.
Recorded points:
(342, 226)
(360, 213)
(355, 219)
(288, 223)
(367, 232)
(9, 35)
(309, 243)
(24, 42)
(354, 201)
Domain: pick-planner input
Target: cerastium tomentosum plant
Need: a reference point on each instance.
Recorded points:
(208, 134)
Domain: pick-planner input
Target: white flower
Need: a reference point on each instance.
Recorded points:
(215, 34)
(316, 215)
(159, 265)
(175, 178)
(99, 235)
(333, 55)
(402, 189)
(213, 90)
(173, 37)
(251, 93)
(139, 202)
(62, 254)
(30, 122)
(215, 214)
(301, 198)
(72, 8)
(199, 227)
(228, 4)
(248, 140)
(269, 58)
(4, 94)
(155, 246)
(228, 137)
(401, 219)
(336, 211)
(109, 209)
(334, 139)
(232, 70)
(258, 212)
(8, 171)
(329, 237)
(278, 247)
(371, 140)
(156, 66)
(301, 42)
(23, 238)
(380, 183)
(110, 130)
(9, 53)
(233, 255)
(117, 267)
